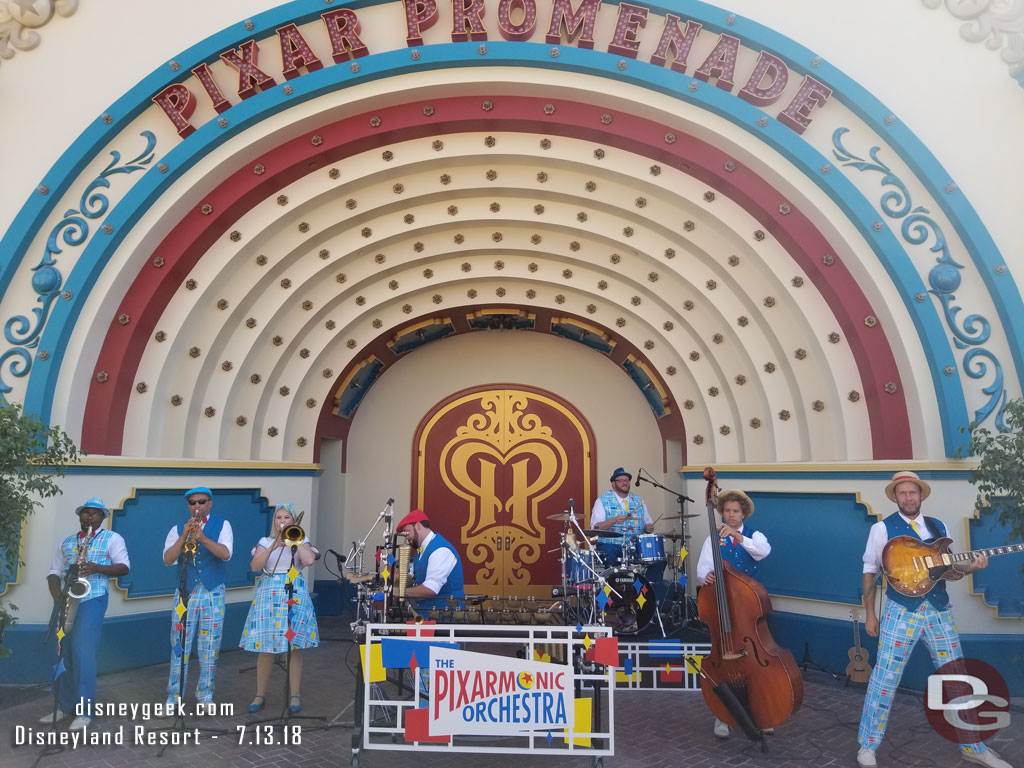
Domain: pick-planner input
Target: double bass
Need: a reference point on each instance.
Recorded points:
(748, 680)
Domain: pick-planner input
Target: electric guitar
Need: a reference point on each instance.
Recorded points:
(858, 670)
(912, 566)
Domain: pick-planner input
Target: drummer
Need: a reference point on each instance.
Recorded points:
(626, 514)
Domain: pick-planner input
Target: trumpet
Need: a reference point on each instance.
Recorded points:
(190, 545)
(293, 535)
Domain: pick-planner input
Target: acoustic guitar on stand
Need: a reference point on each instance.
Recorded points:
(858, 670)
(912, 566)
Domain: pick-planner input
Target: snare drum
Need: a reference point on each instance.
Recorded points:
(577, 570)
(649, 548)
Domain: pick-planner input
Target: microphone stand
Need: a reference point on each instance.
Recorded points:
(355, 555)
(286, 710)
(183, 595)
(601, 581)
(681, 500)
(58, 619)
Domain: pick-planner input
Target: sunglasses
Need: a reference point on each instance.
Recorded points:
(197, 502)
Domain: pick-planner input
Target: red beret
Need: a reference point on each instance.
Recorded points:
(416, 516)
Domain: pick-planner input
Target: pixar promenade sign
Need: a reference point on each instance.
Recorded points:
(626, 30)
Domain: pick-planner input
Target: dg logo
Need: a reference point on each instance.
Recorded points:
(967, 701)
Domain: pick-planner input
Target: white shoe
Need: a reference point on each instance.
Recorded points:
(49, 717)
(721, 729)
(988, 757)
(866, 758)
(78, 723)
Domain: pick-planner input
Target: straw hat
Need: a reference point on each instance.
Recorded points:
(733, 495)
(906, 476)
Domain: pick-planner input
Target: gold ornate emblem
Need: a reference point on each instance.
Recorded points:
(504, 533)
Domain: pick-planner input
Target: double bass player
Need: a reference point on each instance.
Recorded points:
(739, 544)
(747, 679)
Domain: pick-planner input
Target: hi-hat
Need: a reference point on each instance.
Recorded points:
(562, 516)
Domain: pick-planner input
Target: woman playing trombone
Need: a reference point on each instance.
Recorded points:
(269, 615)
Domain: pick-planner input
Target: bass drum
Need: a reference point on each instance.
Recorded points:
(632, 608)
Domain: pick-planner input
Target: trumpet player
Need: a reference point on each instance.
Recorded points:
(269, 617)
(201, 546)
(97, 554)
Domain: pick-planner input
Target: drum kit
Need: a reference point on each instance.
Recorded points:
(619, 594)
(593, 591)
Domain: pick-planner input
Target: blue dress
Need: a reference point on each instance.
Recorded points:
(267, 624)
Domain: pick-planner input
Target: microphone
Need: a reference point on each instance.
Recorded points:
(386, 512)
(638, 476)
(571, 512)
(339, 558)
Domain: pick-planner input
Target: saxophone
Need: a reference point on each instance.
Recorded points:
(76, 587)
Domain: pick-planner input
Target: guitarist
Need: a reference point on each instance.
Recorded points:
(906, 619)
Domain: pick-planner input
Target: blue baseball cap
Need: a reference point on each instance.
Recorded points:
(199, 489)
(94, 503)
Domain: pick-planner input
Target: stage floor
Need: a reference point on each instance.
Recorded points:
(652, 728)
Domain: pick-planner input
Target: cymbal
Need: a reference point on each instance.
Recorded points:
(691, 514)
(359, 578)
(563, 516)
(676, 536)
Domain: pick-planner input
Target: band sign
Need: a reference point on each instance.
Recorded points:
(967, 701)
(480, 693)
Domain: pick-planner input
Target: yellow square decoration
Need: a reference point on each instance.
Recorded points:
(581, 720)
(377, 674)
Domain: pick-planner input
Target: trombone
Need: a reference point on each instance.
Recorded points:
(293, 535)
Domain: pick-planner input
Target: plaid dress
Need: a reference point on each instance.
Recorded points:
(267, 622)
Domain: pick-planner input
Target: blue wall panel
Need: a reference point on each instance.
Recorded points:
(817, 544)
(128, 642)
(146, 518)
(826, 642)
(1002, 581)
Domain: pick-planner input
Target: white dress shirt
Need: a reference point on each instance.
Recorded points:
(439, 565)
(227, 537)
(757, 547)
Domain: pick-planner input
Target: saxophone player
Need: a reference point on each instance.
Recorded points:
(98, 556)
(210, 541)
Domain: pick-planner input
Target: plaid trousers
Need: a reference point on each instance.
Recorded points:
(898, 633)
(205, 609)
